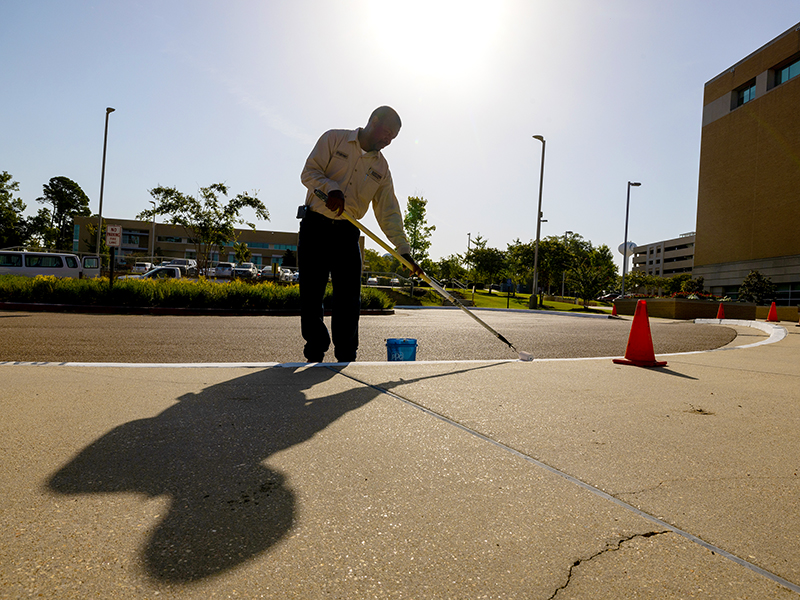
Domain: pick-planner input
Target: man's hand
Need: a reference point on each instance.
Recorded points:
(335, 202)
(416, 268)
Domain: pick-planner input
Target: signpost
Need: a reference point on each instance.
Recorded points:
(113, 241)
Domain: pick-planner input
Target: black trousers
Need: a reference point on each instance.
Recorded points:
(329, 247)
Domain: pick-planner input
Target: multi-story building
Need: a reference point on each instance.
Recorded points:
(667, 258)
(172, 241)
(748, 204)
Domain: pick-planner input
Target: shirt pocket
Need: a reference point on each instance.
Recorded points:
(369, 184)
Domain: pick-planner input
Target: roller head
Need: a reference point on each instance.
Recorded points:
(525, 356)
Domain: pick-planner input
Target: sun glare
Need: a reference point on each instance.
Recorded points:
(438, 38)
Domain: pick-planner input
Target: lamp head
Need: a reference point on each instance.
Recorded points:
(539, 137)
(634, 183)
(109, 110)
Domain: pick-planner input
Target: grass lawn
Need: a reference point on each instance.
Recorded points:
(483, 299)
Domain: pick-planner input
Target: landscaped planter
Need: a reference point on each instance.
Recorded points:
(681, 308)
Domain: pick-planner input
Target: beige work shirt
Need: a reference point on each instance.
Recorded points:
(338, 163)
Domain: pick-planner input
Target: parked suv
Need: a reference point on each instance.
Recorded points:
(188, 266)
(245, 271)
(141, 267)
(223, 269)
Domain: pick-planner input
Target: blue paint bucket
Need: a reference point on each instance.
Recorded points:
(401, 349)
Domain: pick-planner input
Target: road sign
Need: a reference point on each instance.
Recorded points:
(114, 236)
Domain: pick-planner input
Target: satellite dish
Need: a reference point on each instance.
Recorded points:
(631, 248)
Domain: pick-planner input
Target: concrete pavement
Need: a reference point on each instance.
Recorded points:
(552, 479)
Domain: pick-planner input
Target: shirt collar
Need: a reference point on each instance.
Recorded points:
(353, 137)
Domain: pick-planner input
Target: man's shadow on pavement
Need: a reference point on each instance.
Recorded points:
(206, 454)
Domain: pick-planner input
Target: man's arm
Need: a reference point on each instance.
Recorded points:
(416, 268)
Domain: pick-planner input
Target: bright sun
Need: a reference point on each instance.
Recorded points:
(438, 38)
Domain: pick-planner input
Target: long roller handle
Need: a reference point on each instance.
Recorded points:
(323, 196)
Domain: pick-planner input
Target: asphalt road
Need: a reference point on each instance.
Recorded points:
(441, 335)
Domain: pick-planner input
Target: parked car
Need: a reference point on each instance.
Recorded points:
(288, 275)
(142, 267)
(395, 281)
(223, 269)
(157, 273)
(188, 266)
(609, 297)
(372, 281)
(245, 271)
(266, 272)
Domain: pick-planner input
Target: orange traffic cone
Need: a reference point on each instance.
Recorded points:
(614, 310)
(640, 343)
(720, 312)
(772, 317)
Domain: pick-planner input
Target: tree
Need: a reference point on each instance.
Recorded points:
(376, 262)
(757, 288)
(673, 285)
(487, 263)
(519, 261)
(13, 224)
(289, 258)
(67, 200)
(593, 274)
(208, 220)
(91, 239)
(417, 229)
(242, 253)
(450, 268)
(693, 285)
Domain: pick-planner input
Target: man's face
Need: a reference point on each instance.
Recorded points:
(381, 133)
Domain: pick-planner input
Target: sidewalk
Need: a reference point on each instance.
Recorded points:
(552, 479)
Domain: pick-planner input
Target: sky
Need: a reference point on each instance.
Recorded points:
(239, 91)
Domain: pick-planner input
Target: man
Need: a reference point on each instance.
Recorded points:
(348, 166)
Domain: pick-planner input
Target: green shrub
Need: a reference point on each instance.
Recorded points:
(169, 293)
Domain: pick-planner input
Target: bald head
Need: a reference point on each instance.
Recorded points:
(386, 114)
(383, 126)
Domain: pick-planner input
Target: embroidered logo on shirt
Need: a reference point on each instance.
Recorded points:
(374, 174)
(341, 154)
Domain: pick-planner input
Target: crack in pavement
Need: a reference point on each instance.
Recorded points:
(609, 548)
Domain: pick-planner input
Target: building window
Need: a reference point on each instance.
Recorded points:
(786, 73)
(745, 94)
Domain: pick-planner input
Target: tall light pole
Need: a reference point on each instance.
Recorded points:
(564, 271)
(534, 301)
(469, 239)
(625, 243)
(109, 110)
(153, 231)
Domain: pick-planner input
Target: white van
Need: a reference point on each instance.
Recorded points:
(60, 264)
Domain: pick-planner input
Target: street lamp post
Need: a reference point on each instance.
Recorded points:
(625, 243)
(153, 231)
(109, 110)
(533, 302)
(564, 271)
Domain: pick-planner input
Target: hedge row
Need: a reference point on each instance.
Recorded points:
(169, 293)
